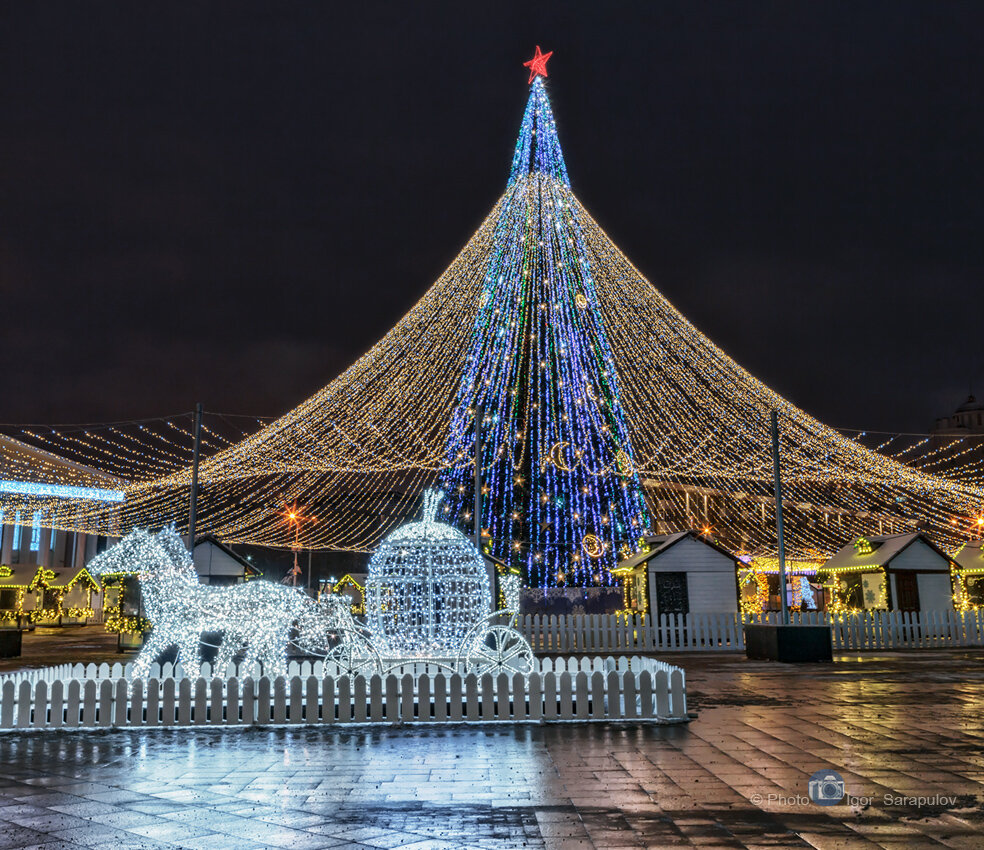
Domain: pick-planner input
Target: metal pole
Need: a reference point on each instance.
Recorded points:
(194, 476)
(489, 565)
(779, 531)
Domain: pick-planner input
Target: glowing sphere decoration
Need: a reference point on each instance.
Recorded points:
(427, 586)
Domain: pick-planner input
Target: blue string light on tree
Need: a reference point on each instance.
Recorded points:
(562, 494)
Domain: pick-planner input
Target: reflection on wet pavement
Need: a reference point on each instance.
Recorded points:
(903, 724)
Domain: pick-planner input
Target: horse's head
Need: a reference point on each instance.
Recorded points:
(171, 542)
(128, 556)
(139, 552)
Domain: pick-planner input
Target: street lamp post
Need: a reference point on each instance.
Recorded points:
(779, 530)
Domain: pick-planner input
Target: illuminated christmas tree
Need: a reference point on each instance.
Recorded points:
(560, 492)
(591, 383)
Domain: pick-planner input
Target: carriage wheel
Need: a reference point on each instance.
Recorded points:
(500, 650)
(354, 655)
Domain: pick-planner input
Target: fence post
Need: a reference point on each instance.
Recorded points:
(646, 706)
(280, 700)
(376, 698)
(423, 697)
(57, 703)
(522, 696)
(550, 696)
(581, 698)
(502, 700)
(629, 694)
(40, 704)
(360, 714)
(249, 700)
(678, 695)
(488, 697)
(24, 704)
(153, 702)
(392, 699)
(597, 707)
(567, 696)
(440, 697)
(296, 709)
(330, 690)
(89, 703)
(457, 699)
(406, 701)
(199, 712)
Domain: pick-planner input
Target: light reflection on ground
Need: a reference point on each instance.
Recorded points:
(900, 723)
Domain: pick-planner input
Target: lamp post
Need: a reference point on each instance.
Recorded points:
(294, 515)
(489, 565)
(479, 413)
(779, 529)
(196, 452)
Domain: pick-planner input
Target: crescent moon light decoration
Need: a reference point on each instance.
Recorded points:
(556, 456)
(624, 464)
(593, 546)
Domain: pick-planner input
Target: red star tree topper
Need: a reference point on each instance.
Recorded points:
(538, 64)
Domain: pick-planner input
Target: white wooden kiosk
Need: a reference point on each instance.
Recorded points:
(683, 573)
(216, 563)
(916, 573)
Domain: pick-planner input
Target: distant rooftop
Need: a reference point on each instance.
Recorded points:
(968, 418)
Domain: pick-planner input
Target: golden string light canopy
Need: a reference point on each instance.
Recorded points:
(358, 453)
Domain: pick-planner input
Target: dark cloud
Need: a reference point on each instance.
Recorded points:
(230, 202)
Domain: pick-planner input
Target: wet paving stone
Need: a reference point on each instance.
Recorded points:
(905, 725)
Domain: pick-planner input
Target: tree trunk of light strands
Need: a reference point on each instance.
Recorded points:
(779, 529)
(194, 476)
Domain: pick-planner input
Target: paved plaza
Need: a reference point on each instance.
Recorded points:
(906, 725)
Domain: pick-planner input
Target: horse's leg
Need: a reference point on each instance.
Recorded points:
(262, 654)
(156, 644)
(274, 651)
(250, 656)
(189, 655)
(231, 642)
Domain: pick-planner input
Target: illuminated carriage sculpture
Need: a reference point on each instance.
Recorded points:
(427, 599)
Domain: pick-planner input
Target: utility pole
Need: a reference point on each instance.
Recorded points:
(194, 476)
(489, 565)
(779, 530)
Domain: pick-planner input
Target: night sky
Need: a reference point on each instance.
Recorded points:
(229, 202)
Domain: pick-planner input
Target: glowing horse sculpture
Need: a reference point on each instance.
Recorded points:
(255, 617)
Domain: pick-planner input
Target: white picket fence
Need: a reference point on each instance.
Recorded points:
(563, 689)
(724, 632)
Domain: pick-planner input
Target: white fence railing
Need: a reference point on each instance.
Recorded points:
(576, 689)
(724, 632)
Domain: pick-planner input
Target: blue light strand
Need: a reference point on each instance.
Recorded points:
(538, 148)
(541, 366)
